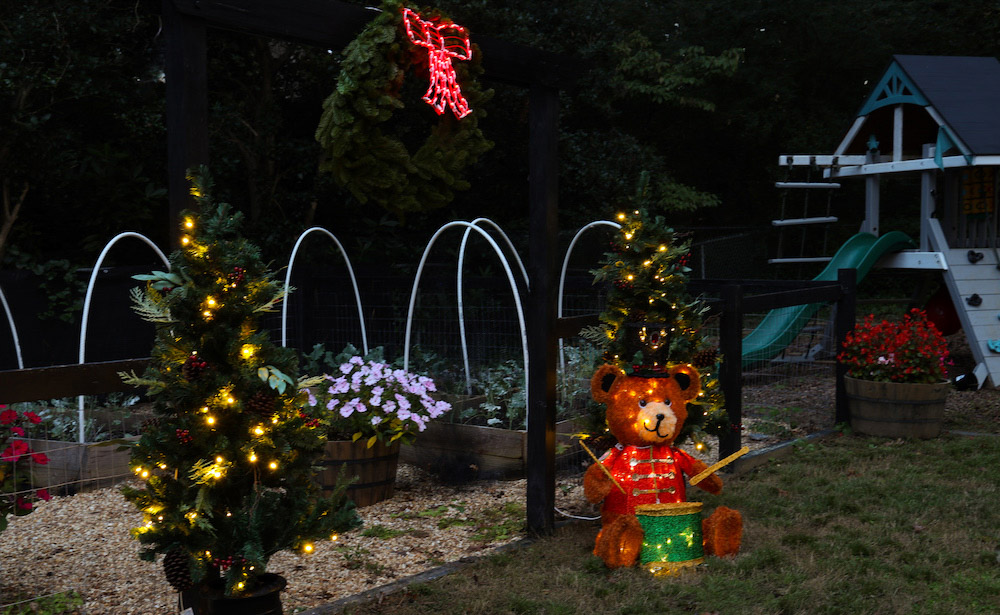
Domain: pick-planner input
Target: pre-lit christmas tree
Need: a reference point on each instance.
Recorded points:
(651, 322)
(227, 463)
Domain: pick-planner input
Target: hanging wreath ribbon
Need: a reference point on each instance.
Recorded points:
(443, 43)
(376, 166)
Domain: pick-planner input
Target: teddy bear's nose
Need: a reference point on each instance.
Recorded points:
(660, 417)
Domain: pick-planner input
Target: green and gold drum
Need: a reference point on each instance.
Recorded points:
(672, 536)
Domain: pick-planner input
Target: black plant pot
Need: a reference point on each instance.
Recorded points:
(210, 598)
(652, 339)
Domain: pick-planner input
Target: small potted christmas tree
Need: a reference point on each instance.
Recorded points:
(227, 464)
(651, 322)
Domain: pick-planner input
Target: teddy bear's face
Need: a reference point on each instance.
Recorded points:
(645, 411)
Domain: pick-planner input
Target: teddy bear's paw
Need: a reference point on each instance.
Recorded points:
(596, 484)
(620, 542)
(723, 532)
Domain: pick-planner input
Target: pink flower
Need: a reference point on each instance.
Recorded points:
(340, 385)
(8, 416)
(439, 408)
(350, 407)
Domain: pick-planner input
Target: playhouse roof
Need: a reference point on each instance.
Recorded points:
(960, 97)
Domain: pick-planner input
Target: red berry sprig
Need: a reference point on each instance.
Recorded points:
(193, 367)
(236, 277)
(223, 563)
(310, 422)
(184, 436)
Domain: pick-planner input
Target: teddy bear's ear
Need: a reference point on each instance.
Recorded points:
(688, 379)
(602, 382)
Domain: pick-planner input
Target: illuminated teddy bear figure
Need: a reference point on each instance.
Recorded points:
(646, 414)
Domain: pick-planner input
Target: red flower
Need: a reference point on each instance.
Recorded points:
(23, 503)
(8, 416)
(17, 431)
(912, 350)
(43, 494)
(14, 451)
(39, 458)
(34, 418)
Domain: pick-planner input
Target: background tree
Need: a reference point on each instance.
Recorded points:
(704, 94)
(81, 94)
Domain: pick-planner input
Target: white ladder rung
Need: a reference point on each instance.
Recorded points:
(799, 259)
(801, 221)
(827, 185)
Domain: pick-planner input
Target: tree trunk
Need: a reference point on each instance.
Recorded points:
(9, 214)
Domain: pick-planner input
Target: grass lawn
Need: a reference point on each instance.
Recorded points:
(847, 525)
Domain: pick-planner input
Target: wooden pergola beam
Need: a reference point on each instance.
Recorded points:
(333, 24)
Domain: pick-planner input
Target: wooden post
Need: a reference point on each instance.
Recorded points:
(872, 187)
(928, 186)
(543, 238)
(731, 376)
(843, 323)
(187, 106)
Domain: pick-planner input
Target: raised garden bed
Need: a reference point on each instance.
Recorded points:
(495, 452)
(78, 467)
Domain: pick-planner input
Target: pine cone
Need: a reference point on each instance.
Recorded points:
(705, 358)
(262, 402)
(177, 571)
(193, 367)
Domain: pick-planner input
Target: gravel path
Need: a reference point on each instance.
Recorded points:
(82, 543)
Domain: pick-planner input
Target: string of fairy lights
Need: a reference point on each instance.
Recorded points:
(221, 410)
(648, 273)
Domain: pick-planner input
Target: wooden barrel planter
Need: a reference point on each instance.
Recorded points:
(896, 409)
(374, 469)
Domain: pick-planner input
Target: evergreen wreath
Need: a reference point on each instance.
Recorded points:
(379, 167)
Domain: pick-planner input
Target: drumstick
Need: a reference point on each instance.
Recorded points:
(601, 465)
(700, 476)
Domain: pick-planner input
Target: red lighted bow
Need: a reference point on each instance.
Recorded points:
(443, 42)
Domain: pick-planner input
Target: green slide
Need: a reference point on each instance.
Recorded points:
(782, 325)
